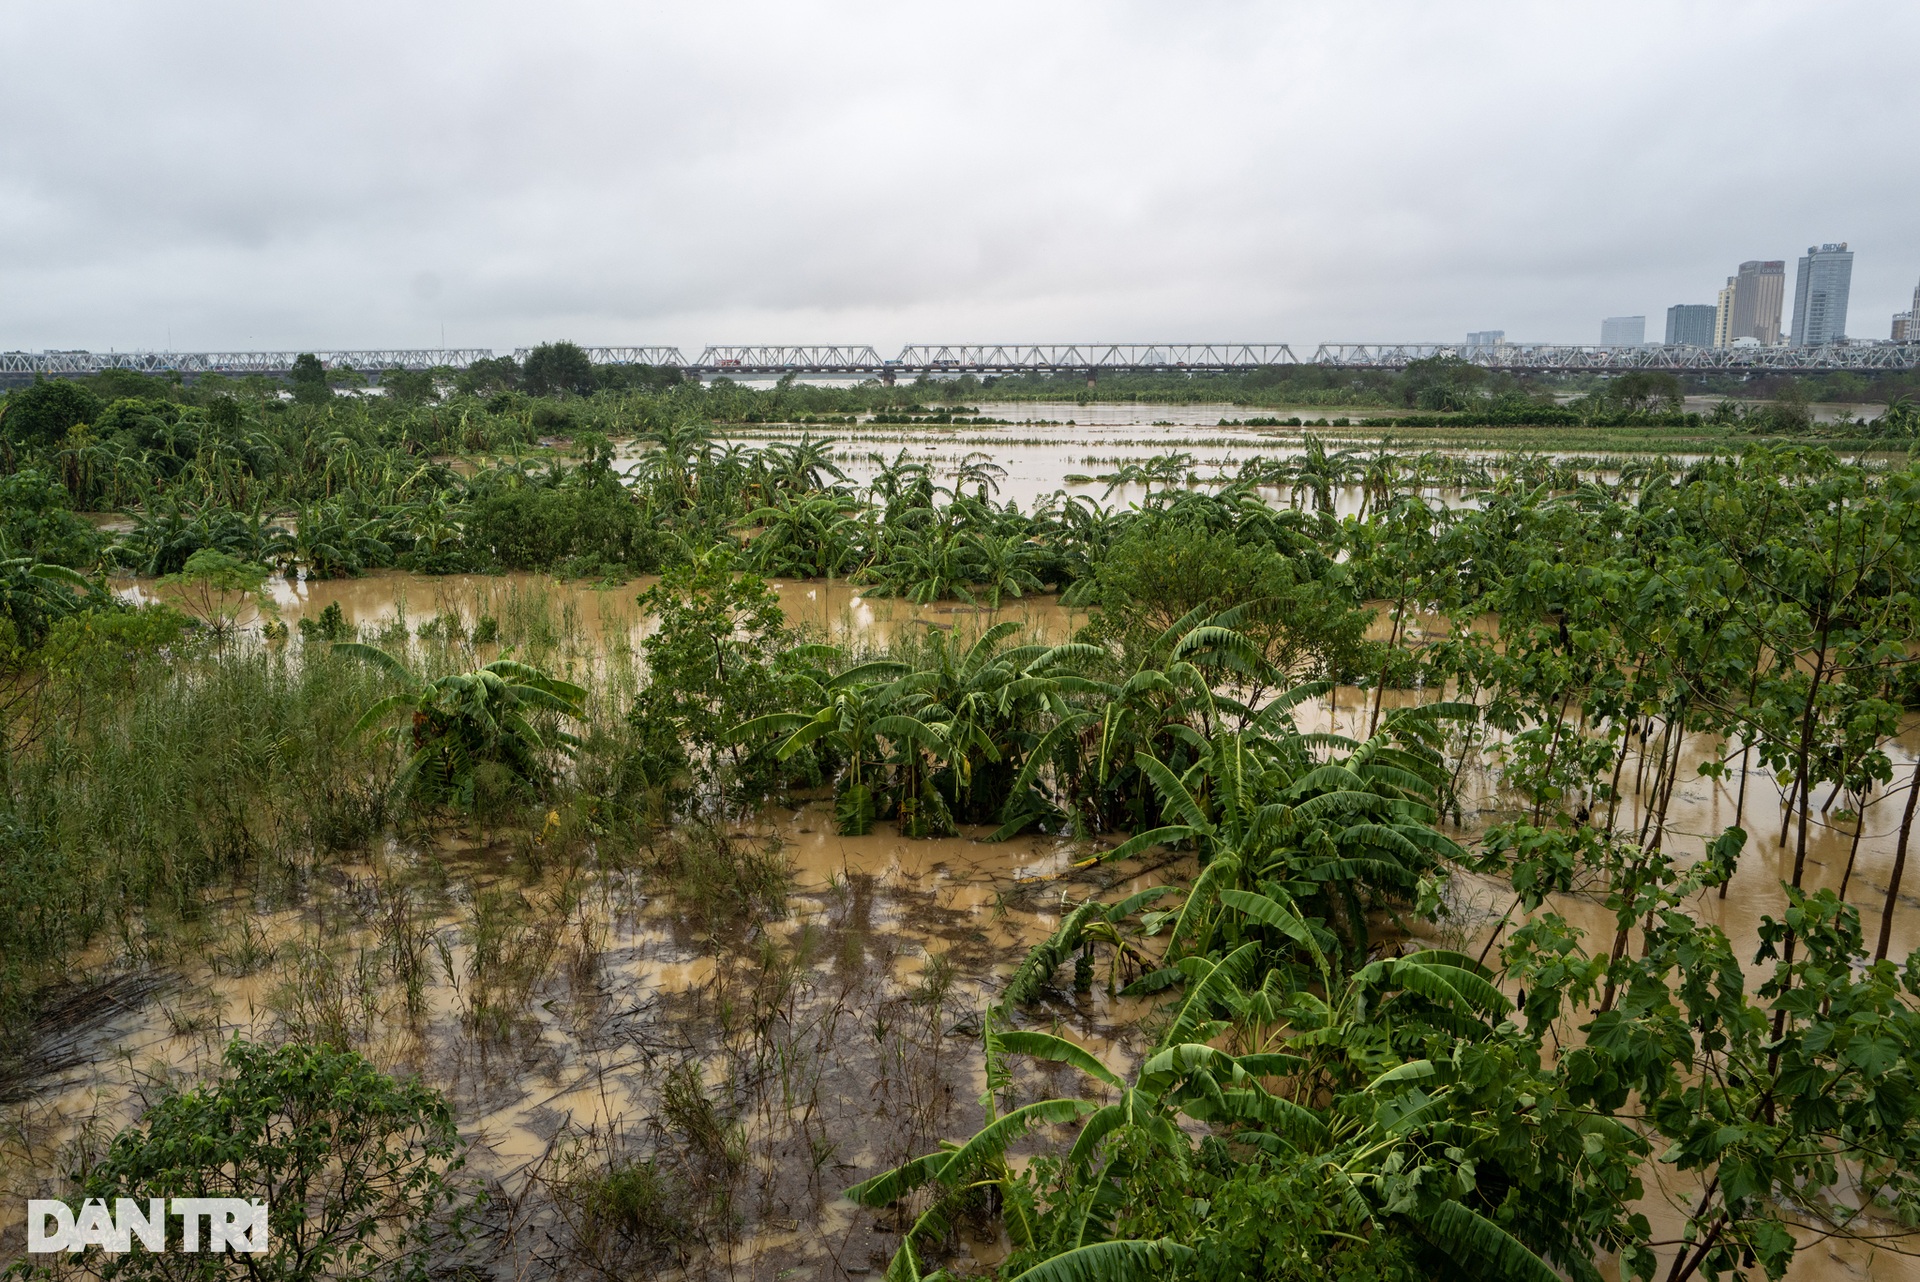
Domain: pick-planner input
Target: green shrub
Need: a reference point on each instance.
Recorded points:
(1161, 571)
(35, 521)
(715, 661)
(358, 1169)
(590, 529)
(43, 413)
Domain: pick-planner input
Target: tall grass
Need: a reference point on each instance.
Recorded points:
(140, 796)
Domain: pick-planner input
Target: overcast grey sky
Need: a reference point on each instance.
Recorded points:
(345, 175)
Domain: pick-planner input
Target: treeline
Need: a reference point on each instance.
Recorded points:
(557, 385)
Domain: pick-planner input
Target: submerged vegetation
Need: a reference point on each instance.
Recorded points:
(1333, 1071)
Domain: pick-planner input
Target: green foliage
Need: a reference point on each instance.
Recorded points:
(187, 781)
(719, 657)
(631, 1210)
(1442, 383)
(1318, 1096)
(409, 386)
(489, 376)
(330, 625)
(590, 530)
(35, 521)
(101, 647)
(557, 367)
(43, 413)
(459, 724)
(1395, 1115)
(223, 593)
(309, 380)
(1160, 572)
(35, 597)
(360, 1171)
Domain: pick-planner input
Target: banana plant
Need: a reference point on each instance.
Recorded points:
(813, 536)
(849, 708)
(457, 723)
(34, 596)
(1386, 1135)
(1261, 809)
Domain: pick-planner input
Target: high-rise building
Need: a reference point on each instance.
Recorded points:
(1723, 316)
(1759, 291)
(1690, 324)
(1903, 328)
(1486, 337)
(1820, 295)
(1623, 331)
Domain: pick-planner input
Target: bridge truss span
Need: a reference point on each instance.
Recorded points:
(1548, 358)
(622, 356)
(852, 360)
(1046, 358)
(373, 360)
(782, 359)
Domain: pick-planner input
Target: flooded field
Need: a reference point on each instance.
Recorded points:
(749, 1013)
(756, 1058)
(573, 1017)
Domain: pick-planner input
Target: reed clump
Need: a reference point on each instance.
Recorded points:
(723, 880)
(148, 787)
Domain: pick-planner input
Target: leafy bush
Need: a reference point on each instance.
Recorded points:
(359, 1169)
(1162, 571)
(35, 521)
(557, 367)
(587, 529)
(105, 646)
(42, 413)
(716, 660)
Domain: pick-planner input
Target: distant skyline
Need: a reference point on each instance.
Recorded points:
(233, 176)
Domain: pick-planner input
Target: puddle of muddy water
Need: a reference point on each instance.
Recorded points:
(831, 1042)
(597, 615)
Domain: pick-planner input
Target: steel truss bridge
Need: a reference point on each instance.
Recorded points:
(1001, 359)
(1542, 358)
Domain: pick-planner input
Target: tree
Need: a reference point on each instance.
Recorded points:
(223, 592)
(43, 413)
(553, 368)
(1646, 391)
(408, 386)
(488, 375)
(36, 521)
(358, 1169)
(34, 596)
(720, 657)
(1441, 383)
(309, 379)
(1161, 571)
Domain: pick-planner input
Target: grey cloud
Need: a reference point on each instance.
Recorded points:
(303, 175)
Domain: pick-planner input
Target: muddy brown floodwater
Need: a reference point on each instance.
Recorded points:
(832, 607)
(580, 1016)
(827, 1044)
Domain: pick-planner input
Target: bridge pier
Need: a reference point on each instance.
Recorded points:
(1093, 378)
